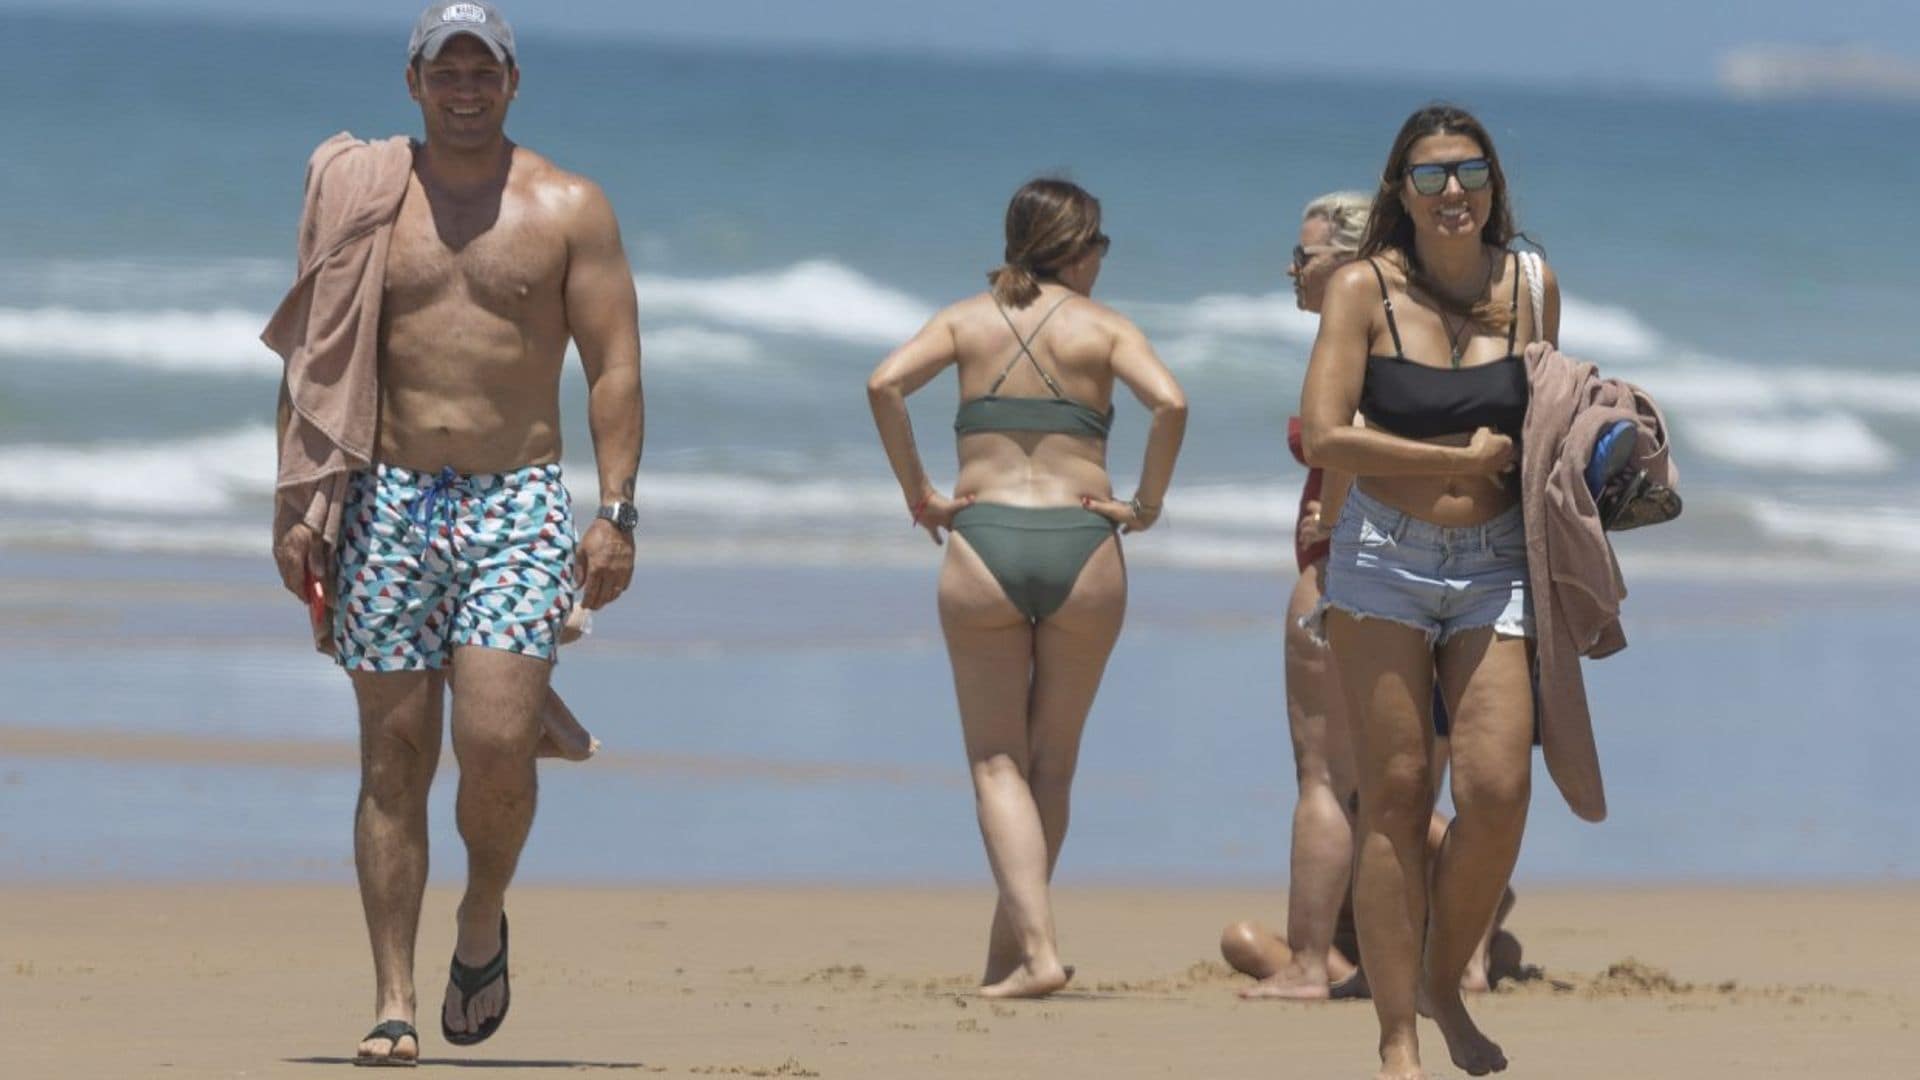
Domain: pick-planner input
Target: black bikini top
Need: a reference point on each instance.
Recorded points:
(1422, 401)
(1059, 414)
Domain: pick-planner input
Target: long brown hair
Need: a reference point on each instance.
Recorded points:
(1390, 229)
(1050, 223)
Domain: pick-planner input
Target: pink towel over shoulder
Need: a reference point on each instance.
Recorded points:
(1576, 582)
(327, 329)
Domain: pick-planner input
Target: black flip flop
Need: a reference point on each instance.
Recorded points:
(472, 980)
(392, 1031)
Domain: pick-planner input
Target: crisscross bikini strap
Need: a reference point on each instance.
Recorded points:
(1387, 302)
(1026, 348)
(1513, 307)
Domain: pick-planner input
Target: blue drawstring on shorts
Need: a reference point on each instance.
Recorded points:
(426, 506)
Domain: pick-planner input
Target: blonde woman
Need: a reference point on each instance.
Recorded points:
(1034, 587)
(1305, 963)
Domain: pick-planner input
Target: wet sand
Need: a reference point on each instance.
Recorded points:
(264, 980)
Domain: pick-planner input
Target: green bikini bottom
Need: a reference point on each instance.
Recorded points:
(1035, 553)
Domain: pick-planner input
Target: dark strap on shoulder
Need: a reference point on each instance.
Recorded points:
(1387, 302)
(1513, 306)
(1026, 348)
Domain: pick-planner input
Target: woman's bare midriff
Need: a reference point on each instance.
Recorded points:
(1027, 468)
(1451, 501)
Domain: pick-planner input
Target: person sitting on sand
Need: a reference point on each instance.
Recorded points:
(1306, 962)
(1257, 951)
(1033, 589)
(431, 506)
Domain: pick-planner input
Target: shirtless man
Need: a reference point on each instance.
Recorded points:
(459, 544)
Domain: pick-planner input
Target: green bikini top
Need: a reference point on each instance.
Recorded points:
(1059, 414)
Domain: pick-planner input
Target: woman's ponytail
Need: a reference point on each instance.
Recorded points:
(1014, 285)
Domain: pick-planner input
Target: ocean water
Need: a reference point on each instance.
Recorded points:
(792, 217)
(774, 691)
(761, 728)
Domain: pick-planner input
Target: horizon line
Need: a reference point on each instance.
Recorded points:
(1701, 84)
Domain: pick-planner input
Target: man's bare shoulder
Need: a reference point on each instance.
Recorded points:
(574, 199)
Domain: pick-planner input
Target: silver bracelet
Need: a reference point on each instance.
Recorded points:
(1142, 510)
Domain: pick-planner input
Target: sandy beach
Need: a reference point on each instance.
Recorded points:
(119, 981)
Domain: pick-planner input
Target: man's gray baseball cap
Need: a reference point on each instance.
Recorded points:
(443, 22)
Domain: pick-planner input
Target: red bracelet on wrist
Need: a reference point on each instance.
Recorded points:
(918, 508)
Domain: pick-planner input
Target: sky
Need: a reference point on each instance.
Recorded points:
(1633, 42)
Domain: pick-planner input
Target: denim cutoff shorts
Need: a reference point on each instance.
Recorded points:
(1440, 580)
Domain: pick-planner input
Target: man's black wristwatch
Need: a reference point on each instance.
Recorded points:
(622, 513)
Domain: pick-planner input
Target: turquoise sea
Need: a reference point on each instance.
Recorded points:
(774, 690)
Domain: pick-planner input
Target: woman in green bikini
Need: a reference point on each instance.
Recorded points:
(1034, 587)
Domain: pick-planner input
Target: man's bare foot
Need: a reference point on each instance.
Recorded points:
(561, 735)
(1470, 1049)
(1295, 982)
(392, 1039)
(1028, 982)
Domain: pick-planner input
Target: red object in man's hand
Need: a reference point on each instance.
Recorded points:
(316, 602)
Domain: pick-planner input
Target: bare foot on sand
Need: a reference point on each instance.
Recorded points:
(1295, 982)
(1028, 981)
(1003, 952)
(1471, 1050)
(391, 1039)
(561, 735)
(1252, 949)
(1400, 1062)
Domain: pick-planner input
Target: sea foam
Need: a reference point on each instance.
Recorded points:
(816, 298)
(198, 475)
(219, 341)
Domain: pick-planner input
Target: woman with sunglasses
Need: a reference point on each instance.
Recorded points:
(1033, 588)
(1318, 950)
(1427, 577)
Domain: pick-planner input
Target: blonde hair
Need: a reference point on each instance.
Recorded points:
(1347, 212)
(1050, 223)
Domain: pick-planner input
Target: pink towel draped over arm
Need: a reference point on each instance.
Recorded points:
(327, 329)
(1576, 581)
